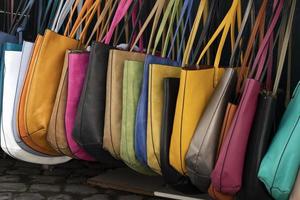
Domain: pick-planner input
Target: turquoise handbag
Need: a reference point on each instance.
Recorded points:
(279, 168)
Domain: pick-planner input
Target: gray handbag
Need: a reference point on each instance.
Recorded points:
(201, 155)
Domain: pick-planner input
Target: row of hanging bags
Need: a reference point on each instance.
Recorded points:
(227, 174)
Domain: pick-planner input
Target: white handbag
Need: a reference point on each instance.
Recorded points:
(12, 63)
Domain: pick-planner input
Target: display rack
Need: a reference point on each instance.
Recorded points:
(125, 179)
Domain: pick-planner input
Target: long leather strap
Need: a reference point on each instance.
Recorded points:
(239, 37)
(284, 46)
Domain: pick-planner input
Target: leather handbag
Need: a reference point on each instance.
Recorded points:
(8, 142)
(227, 174)
(78, 62)
(113, 108)
(132, 82)
(296, 193)
(56, 135)
(200, 158)
(89, 122)
(157, 73)
(142, 108)
(230, 112)
(201, 155)
(196, 88)
(262, 132)
(40, 102)
(171, 176)
(273, 169)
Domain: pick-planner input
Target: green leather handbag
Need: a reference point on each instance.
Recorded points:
(132, 83)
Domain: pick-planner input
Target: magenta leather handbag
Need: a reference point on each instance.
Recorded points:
(227, 174)
(78, 62)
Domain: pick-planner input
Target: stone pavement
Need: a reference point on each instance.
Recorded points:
(25, 181)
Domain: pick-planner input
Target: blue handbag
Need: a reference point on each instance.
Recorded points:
(142, 108)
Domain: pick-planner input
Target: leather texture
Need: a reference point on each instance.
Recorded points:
(279, 167)
(21, 108)
(142, 108)
(89, 122)
(8, 142)
(171, 176)
(132, 83)
(39, 101)
(78, 63)
(295, 195)
(260, 137)
(157, 73)
(27, 49)
(113, 109)
(6, 47)
(196, 88)
(226, 176)
(229, 115)
(56, 135)
(201, 156)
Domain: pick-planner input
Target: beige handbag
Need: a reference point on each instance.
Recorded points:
(57, 132)
(113, 108)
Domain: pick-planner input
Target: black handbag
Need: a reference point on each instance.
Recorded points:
(170, 175)
(89, 122)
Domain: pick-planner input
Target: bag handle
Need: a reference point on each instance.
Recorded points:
(156, 13)
(225, 25)
(186, 9)
(242, 28)
(101, 18)
(261, 55)
(57, 14)
(193, 32)
(257, 25)
(212, 11)
(80, 13)
(119, 15)
(284, 46)
(170, 11)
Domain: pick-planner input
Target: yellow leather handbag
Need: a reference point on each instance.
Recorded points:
(195, 90)
(42, 83)
(157, 74)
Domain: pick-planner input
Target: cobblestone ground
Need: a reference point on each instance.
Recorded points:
(25, 181)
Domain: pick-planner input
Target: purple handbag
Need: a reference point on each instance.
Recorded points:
(227, 174)
(78, 62)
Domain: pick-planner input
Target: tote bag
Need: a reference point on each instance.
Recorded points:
(113, 108)
(227, 174)
(8, 142)
(39, 102)
(78, 62)
(196, 88)
(56, 135)
(132, 79)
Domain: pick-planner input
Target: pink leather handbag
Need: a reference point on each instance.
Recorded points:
(78, 62)
(227, 174)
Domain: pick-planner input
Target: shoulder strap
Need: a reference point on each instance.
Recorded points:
(284, 46)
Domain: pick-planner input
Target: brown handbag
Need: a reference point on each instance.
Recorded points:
(230, 112)
(57, 132)
(113, 108)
